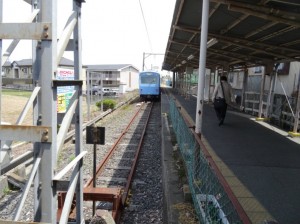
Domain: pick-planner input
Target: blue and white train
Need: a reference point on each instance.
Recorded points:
(149, 85)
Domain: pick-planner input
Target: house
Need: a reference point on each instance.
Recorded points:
(18, 74)
(124, 77)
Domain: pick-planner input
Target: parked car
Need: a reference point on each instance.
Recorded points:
(108, 92)
(96, 90)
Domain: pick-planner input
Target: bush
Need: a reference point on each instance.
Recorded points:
(107, 104)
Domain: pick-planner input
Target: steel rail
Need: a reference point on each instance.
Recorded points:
(102, 164)
(117, 196)
(133, 167)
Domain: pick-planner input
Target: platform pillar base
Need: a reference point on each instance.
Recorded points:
(294, 134)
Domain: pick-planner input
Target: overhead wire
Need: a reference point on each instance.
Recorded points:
(145, 24)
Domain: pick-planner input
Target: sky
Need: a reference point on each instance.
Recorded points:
(113, 32)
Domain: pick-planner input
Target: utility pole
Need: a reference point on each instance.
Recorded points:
(146, 55)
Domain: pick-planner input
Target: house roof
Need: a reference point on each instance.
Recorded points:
(248, 32)
(109, 67)
(67, 62)
(28, 62)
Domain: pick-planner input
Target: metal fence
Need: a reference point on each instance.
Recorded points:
(212, 202)
(282, 111)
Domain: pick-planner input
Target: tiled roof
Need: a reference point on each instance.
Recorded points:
(28, 62)
(109, 67)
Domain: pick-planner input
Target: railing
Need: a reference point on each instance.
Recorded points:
(213, 200)
(252, 103)
(281, 114)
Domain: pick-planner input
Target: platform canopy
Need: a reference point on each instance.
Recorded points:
(242, 33)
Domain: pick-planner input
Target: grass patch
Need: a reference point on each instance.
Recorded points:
(126, 107)
(71, 158)
(15, 92)
(187, 213)
(6, 191)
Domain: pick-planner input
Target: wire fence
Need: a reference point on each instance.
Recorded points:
(211, 200)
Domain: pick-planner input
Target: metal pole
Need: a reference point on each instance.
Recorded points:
(1, 15)
(262, 87)
(143, 68)
(88, 96)
(36, 54)
(269, 93)
(98, 83)
(91, 87)
(190, 84)
(272, 88)
(47, 101)
(296, 123)
(209, 83)
(184, 84)
(202, 63)
(94, 163)
(173, 80)
(101, 92)
(1, 12)
(78, 112)
(245, 80)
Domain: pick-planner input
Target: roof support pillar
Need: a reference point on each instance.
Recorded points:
(212, 79)
(202, 68)
(245, 80)
(296, 120)
(173, 79)
(272, 89)
(262, 87)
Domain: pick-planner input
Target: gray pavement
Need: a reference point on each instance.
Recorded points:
(267, 163)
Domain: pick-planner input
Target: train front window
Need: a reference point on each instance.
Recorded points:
(148, 79)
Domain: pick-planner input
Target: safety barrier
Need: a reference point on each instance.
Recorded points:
(213, 200)
(282, 111)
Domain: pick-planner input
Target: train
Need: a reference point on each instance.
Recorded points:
(149, 85)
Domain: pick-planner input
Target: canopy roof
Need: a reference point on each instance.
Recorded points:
(248, 32)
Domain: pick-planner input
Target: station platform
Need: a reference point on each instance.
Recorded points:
(263, 159)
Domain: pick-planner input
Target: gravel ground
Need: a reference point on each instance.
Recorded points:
(145, 205)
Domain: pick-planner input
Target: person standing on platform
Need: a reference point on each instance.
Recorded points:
(222, 96)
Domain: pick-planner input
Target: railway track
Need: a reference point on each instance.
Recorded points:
(23, 150)
(112, 178)
(126, 200)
